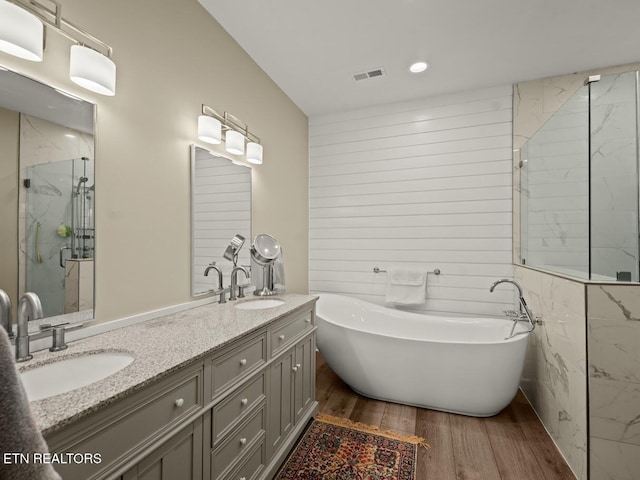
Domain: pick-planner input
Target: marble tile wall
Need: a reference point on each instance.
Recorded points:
(613, 313)
(78, 285)
(554, 379)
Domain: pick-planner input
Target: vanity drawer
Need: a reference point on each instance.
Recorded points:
(251, 467)
(237, 443)
(135, 422)
(230, 411)
(284, 334)
(241, 360)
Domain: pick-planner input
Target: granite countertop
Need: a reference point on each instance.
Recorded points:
(160, 346)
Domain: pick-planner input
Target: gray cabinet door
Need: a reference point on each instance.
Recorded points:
(280, 401)
(180, 458)
(304, 376)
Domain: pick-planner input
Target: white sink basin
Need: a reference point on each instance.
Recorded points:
(259, 304)
(66, 375)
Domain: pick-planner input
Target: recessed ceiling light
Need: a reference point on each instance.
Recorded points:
(418, 67)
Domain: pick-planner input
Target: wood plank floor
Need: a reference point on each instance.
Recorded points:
(510, 446)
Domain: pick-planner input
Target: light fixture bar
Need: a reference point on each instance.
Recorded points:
(231, 122)
(51, 16)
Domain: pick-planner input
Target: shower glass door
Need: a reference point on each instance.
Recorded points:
(614, 177)
(58, 226)
(579, 185)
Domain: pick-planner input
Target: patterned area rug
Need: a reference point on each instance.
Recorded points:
(338, 449)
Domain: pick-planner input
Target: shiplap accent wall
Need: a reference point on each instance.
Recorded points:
(423, 183)
(221, 206)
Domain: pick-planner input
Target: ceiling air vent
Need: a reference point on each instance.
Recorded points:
(376, 72)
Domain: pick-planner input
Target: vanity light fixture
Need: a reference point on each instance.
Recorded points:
(21, 32)
(92, 70)
(418, 67)
(209, 129)
(234, 142)
(254, 153)
(22, 25)
(232, 130)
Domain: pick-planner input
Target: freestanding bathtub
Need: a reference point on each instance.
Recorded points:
(455, 364)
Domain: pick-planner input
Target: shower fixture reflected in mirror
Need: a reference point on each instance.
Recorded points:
(231, 253)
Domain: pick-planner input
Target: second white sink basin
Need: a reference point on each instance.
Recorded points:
(66, 375)
(259, 304)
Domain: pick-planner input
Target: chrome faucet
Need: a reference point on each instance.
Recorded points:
(525, 313)
(5, 313)
(221, 290)
(234, 282)
(29, 308)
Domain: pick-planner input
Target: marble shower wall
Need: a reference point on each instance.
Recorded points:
(613, 313)
(554, 379)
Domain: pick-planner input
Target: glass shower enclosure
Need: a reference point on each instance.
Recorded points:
(579, 184)
(59, 222)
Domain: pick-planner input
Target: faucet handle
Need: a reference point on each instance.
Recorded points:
(58, 343)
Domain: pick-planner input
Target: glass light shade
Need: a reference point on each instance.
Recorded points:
(21, 32)
(234, 142)
(209, 129)
(92, 70)
(254, 153)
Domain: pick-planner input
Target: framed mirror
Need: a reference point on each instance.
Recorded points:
(220, 209)
(47, 244)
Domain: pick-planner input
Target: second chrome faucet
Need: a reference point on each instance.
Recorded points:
(234, 282)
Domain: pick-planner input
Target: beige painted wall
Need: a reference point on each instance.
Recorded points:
(172, 57)
(9, 144)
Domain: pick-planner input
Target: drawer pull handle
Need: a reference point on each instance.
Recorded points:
(281, 337)
(244, 401)
(243, 441)
(243, 361)
(179, 402)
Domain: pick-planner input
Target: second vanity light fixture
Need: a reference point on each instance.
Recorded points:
(214, 128)
(22, 34)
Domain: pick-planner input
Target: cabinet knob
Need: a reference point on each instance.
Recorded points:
(281, 337)
(307, 320)
(243, 361)
(179, 402)
(244, 401)
(295, 369)
(243, 478)
(243, 441)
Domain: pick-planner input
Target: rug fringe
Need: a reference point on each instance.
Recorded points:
(345, 422)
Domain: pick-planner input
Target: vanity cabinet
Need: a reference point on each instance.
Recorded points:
(132, 427)
(265, 399)
(291, 380)
(178, 458)
(233, 414)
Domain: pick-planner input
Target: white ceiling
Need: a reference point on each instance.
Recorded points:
(311, 49)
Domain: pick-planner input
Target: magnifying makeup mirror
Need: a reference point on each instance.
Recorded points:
(265, 250)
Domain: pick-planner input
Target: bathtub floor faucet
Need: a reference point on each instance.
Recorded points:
(524, 315)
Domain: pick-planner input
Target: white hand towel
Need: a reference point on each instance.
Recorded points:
(406, 286)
